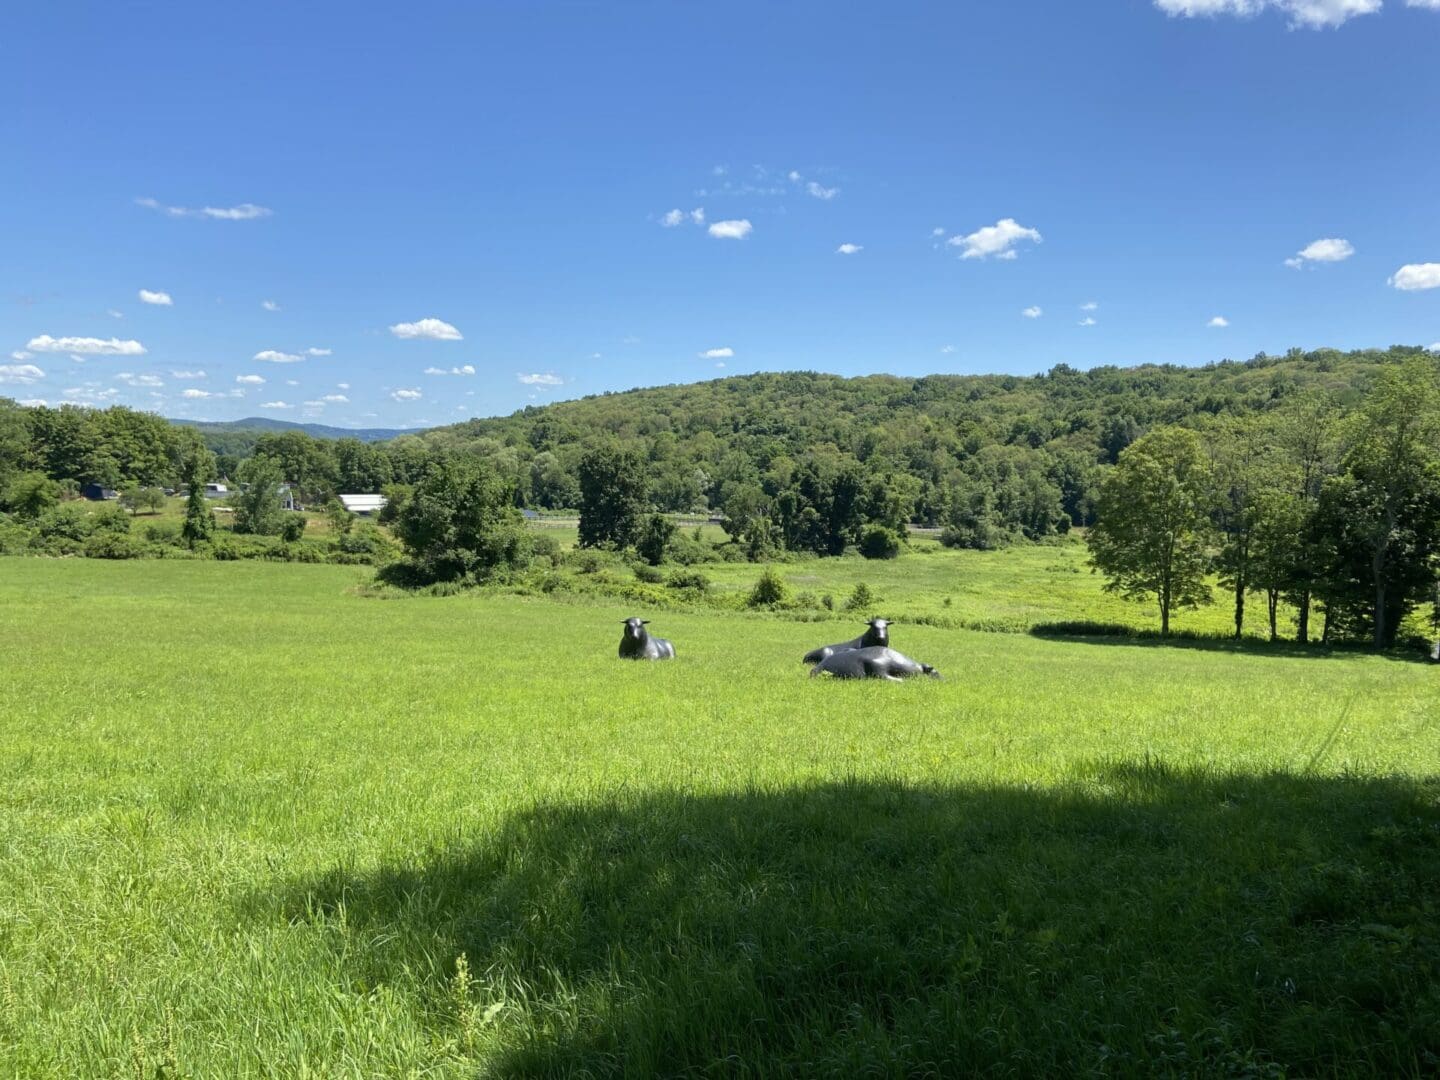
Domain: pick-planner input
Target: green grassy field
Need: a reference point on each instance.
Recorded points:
(256, 822)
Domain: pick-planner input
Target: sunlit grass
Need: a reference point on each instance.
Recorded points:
(251, 818)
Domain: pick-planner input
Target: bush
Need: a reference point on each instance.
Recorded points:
(689, 581)
(878, 542)
(655, 535)
(461, 524)
(769, 591)
(162, 532)
(68, 521)
(110, 519)
(542, 546)
(861, 598)
(292, 528)
(113, 545)
(651, 575)
(979, 537)
(30, 494)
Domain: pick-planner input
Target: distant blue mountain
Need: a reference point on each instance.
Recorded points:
(258, 424)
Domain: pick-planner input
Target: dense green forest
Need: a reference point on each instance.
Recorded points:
(1309, 477)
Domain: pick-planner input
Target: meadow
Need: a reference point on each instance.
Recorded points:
(257, 820)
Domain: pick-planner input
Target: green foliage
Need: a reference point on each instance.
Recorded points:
(691, 581)
(651, 575)
(136, 499)
(862, 598)
(258, 508)
(460, 524)
(654, 539)
(113, 545)
(29, 494)
(612, 497)
(1153, 530)
(338, 517)
(769, 591)
(199, 525)
(292, 528)
(878, 542)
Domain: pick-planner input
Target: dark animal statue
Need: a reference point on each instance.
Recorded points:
(878, 635)
(871, 663)
(637, 644)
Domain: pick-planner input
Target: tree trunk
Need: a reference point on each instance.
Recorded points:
(1239, 606)
(1164, 613)
(1379, 609)
(1302, 635)
(1325, 632)
(1272, 602)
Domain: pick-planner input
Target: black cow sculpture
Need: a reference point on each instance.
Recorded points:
(637, 644)
(877, 636)
(872, 663)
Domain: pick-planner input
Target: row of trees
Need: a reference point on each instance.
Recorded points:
(1306, 504)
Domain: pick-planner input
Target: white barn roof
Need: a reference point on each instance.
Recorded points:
(362, 504)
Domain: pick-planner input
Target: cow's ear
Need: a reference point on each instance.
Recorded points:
(644, 622)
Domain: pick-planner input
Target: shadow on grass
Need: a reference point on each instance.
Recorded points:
(1142, 921)
(1096, 633)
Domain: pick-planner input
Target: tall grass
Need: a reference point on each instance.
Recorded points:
(252, 820)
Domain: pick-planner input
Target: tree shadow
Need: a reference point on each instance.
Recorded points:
(1089, 633)
(1140, 921)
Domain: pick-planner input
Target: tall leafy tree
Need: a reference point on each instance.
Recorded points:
(613, 491)
(1384, 507)
(460, 523)
(1153, 531)
(258, 507)
(199, 525)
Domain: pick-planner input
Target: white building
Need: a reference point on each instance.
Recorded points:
(364, 505)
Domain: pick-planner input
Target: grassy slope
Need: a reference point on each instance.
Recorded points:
(250, 820)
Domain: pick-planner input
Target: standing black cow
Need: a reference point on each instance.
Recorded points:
(876, 636)
(637, 644)
(874, 663)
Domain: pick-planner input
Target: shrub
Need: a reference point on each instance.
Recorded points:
(878, 542)
(67, 521)
(110, 519)
(461, 524)
(542, 546)
(651, 575)
(654, 537)
(689, 581)
(161, 532)
(769, 591)
(292, 528)
(112, 545)
(30, 494)
(861, 598)
(827, 602)
(978, 537)
(589, 561)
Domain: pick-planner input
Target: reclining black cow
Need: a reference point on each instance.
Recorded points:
(872, 663)
(637, 644)
(877, 635)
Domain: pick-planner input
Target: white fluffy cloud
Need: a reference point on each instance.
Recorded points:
(243, 212)
(1417, 276)
(139, 380)
(541, 380)
(731, 230)
(998, 240)
(849, 249)
(86, 346)
(1219, 322)
(336, 399)
(195, 395)
(1033, 312)
(277, 405)
(1087, 321)
(269, 305)
(343, 385)
(1313, 14)
(818, 191)
(90, 393)
(405, 395)
(19, 354)
(717, 354)
(434, 329)
(250, 380)
(275, 356)
(161, 299)
(114, 314)
(1327, 250)
(679, 217)
(947, 349)
(1090, 305)
(25, 374)
(463, 369)
(317, 352)
(187, 374)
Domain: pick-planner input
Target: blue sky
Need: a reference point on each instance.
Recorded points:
(337, 198)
